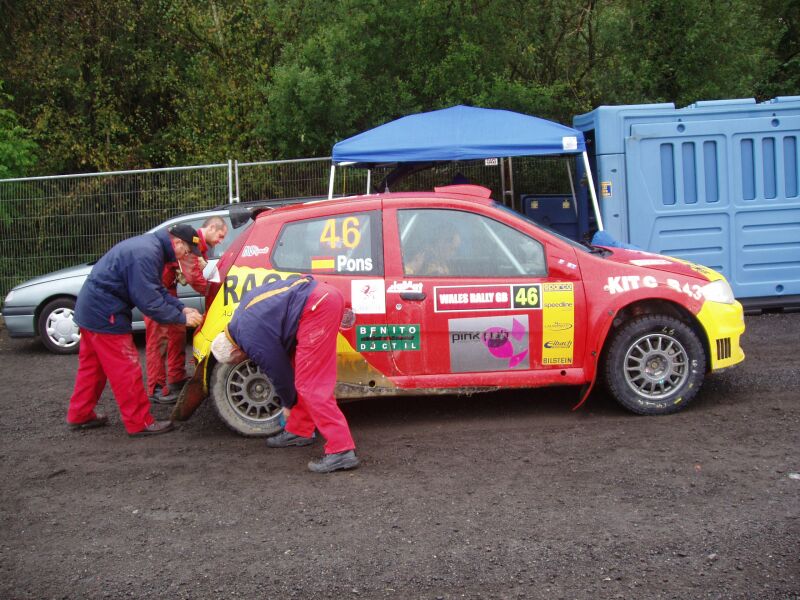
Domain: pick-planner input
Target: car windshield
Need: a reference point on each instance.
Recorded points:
(549, 230)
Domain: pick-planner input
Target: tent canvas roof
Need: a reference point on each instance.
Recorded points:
(459, 133)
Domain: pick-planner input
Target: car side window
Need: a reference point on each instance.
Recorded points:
(453, 243)
(348, 243)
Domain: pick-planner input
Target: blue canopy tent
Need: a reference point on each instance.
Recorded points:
(461, 133)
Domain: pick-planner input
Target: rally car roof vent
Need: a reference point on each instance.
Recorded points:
(467, 189)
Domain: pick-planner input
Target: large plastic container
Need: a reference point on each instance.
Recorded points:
(715, 182)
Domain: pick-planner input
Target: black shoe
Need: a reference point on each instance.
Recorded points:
(155, 428)
(285, 439)
(163, 395)
(334, 462)
(90, 424)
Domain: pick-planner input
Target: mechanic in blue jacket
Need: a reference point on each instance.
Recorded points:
(289, 329)
(128, 275)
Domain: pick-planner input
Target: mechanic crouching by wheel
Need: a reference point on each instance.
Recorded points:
(128, 275)
(300, 317)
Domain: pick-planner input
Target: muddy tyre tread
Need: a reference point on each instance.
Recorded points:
(626, 336)
(218, 389)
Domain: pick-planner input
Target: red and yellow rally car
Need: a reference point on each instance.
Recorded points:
(452, 292)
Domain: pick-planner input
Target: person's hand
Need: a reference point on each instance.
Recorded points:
(193, 317)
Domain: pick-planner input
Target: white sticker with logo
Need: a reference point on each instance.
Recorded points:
(627, 283)
(367, 296)
(253, 250)
(569, 142)
(405, 286)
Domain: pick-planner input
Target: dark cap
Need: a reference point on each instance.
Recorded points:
(188, 234)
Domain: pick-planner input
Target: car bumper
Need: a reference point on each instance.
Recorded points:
(724, 326)
(19, 321)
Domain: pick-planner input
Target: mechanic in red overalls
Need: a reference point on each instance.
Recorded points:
(128, 275)
(167, 342)
(301, 317)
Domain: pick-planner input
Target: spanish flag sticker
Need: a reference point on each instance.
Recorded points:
(323, 263)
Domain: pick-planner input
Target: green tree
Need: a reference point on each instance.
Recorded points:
(17, 150)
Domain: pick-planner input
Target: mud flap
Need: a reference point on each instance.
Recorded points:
(192, 394)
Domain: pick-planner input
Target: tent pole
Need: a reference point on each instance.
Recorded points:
(592, 191)
(511, 179)
(502, 181)
(369, 181)
(330, 183)
(572, 187)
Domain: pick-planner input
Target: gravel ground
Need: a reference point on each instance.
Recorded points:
(508, 495)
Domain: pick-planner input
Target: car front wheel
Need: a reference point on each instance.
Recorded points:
(57, 328)
(245, 399)
(655, 365)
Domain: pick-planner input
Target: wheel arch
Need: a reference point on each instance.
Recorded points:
(656, 306)
(38, 311)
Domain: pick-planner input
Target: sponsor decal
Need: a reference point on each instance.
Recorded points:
(558, 319)
(605, 189)
(559, 326)
(242, 280)
(253, 250)
(558, 344)
(323, 263)
(400, 287)
(386, 338)
(627, 283)
(478, 297)
(487, 297)
(367, 296)
(498, 343)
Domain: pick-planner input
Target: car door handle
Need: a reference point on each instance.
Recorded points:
(417, 296)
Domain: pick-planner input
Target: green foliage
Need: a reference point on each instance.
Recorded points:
(17, 151)
(138, 83)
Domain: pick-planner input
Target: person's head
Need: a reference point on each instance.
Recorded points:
(214, 230)
(184, 240)
(447, 243)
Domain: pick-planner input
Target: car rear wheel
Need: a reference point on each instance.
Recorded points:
(245, 399)
(655, 365)
(57, 328)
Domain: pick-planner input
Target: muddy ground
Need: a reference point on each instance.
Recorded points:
(507, 495)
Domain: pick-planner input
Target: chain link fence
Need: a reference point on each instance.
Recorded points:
(48, 223)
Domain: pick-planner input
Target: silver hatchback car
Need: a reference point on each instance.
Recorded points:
(43, 306)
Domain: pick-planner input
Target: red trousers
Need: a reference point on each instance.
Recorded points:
(164, 342)
(315, 371)
(111, 357)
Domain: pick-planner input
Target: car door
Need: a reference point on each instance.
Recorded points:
(472, 300)
(345, 249)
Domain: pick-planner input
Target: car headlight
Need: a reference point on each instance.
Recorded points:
(718, 291)
(9, 297)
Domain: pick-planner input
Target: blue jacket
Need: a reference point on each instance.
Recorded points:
(129, 275)
(264, 325)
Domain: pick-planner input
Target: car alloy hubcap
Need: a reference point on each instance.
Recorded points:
(656, 365)
(61, 328)
(251, 394)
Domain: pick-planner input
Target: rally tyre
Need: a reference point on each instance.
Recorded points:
(57, 328)
(655, 365)
(245, 400)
